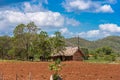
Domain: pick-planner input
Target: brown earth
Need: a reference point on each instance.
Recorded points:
(71, 71)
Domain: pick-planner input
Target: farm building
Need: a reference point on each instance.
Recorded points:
(70, 53)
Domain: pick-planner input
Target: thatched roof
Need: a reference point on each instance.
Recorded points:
(69, 51)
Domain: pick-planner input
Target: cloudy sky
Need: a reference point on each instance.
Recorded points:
(90, 19)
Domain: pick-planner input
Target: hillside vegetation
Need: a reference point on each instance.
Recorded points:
(111, 41)
(27, 44)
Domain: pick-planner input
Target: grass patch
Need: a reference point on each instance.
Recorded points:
(11, 60)
(98, 60)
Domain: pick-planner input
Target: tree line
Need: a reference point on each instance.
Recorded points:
(30, 41)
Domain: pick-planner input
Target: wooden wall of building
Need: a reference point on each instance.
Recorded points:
(78, 56)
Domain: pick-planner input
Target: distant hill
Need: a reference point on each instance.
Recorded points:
(111, 41)
(74, 42)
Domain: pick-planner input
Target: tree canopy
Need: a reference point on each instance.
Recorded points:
(30, 41)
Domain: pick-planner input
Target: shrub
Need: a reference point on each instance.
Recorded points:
(95, 56)
(56, 67)
(111, 57)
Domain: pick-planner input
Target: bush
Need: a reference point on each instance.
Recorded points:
(56, 67)
(108, 58)
(95, 56)
(111, 57)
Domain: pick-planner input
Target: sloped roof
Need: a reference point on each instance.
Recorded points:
(69, 51)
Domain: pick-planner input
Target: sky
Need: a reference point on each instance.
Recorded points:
(89, 19)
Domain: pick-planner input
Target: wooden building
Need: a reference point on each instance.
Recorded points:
(70, 53)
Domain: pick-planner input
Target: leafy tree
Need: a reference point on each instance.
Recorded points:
(19, 41)
(27, 42)
(19, 30)
(58, 42)
(5, 46)
(24, 35)
(31, 31)
(11, 54)
(44, 44)
(104, 50)
(95, 56)
(86, 52)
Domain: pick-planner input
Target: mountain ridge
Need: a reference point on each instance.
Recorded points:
(110, 41)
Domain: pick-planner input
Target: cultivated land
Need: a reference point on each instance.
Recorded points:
(71, 71)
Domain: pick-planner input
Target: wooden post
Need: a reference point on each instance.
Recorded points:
(30, 78)
(1, 76)
(16, 77)
(78, 43)
(51, 77)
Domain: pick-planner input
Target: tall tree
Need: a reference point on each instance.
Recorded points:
(19, 41)
(5, 46)
(58, 42)
(24, 36)
(44, 44)
(31, 35)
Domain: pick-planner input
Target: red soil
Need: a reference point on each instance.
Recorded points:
(71, 71)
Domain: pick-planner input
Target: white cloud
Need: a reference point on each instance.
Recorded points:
(66, 32)
(27, 6)
(33, 11)
(105, 8)
(80, 4)
(42, 19)
(72, 22)
(113, 28)
(52, 35)
(90, 34)
(103, 31)
(31, 7)
(87, 6)
(112, 1)
(47, 19)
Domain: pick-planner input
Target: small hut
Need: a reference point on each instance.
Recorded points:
(70, 53)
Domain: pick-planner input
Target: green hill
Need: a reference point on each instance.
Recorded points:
(111, 41)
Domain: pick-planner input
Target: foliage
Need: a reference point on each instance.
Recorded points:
(86, 52)
(104, 50)
(24, 35)
(27, 42)
(5, 46)
(110, 58)
(95, 56)
(56, 67)
(100, 55)
(111, 41)
(11, 53)
(58, 42)
(44, 44)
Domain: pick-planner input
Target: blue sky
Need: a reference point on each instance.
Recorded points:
(90, 19)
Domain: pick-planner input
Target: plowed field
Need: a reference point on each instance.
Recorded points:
(71, 71)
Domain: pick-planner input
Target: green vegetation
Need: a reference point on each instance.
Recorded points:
(56, 67)
(103, 54)
(103, 50)
(111, 41)
(27, 43)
